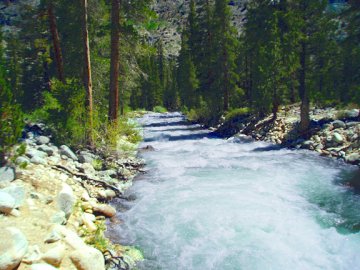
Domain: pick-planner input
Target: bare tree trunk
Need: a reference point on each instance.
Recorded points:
(87, 73)
(114, 68)
(56, 41)
(304, 95)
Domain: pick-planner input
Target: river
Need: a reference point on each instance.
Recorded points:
(209, 203)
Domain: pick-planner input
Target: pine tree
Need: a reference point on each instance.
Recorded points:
(56, 40)
(114, 70)
(225, 47)
(87, 71)
(187, 80)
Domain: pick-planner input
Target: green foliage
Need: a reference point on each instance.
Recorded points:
(159, 109)
(10, 114)
(64, 111)
(236, 113)
(97, 164)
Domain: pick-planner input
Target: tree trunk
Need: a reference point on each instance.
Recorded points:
(114, 68)
(56, 41)
(304, 95)
(87, 73)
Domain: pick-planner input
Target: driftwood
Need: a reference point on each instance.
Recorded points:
(87, 178)
(112, 261)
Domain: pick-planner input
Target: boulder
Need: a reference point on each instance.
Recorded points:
(17, 192)
(353, 158)
(88, 220)
(22, 160)
(86, 168)
(59, 218)
(66, 151)
(42, 140)
(352, 113)
(85, 158)
(31, 152)
(107, 173)
(339, 124)
(66, 200)
(47, 149)
(7, 174)
(110, 194)
(13, 247)
(88, 258)
(338, 138)
(55, 255)
(7, 202)
(105, 210)
(38, 160)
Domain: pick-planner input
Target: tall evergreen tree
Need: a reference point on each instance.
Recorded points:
(114, 70)
(87, 71)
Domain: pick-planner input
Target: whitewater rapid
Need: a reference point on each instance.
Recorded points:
(209, 203)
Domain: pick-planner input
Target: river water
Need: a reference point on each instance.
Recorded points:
(208, 203)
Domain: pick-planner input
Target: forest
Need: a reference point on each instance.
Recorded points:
(81, 66)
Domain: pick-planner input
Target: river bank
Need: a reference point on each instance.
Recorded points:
(334, 133)
(54, 204)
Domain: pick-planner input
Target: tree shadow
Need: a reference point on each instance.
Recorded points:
(164, 124)
(185, 137)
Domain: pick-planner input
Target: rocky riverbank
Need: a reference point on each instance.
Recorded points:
(334, 133)
(54, 206)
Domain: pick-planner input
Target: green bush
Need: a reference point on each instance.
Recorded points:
(11, 121)
(159, 109)
(236, 113)
(64, 112)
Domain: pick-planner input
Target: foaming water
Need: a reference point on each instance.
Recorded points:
(208, 203)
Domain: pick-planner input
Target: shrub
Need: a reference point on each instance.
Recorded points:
(159, 109)
(11, 121)
(237, 113)
(64, 111)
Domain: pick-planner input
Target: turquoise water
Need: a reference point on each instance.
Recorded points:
(209, 203)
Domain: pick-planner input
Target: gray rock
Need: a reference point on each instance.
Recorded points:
(107, 173)
(22, 160)
(7, 174)
(47, 149)
(110, 194)
(42, 140)
(85, 158)
(87, 168)
(66, 200)
(17, 192)
(352, 124)
(31, 152)
(59, 218)
(42, 266)
(353, 158)
(66, 151)
(7, 203)
(338, 138)
(352, 113)
(38, 160)
(339, 124)
(88, 258)
(13, 247)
